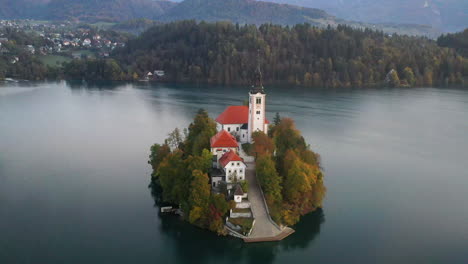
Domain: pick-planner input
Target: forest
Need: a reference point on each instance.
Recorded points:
(180, 171)
(288, 171)
(458, 41)
(226, 53)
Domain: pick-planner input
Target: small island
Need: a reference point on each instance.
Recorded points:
(239, 175)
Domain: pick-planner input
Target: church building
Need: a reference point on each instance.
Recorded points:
(242, 121)
(236, 126)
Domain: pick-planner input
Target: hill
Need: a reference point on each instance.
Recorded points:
(84, 10)
(446, 15)
(225, 53)
(458, 41)
(246, 12)
(236, 11)
(260, 12)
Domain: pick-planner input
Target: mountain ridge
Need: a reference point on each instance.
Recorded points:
(236, 11)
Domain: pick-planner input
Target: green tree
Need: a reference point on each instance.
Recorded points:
(202, 163)
(199, 197)
(174, 178)
(175, 139)
(200, 132)
(269, 178)
(408, 75)
(157, 154)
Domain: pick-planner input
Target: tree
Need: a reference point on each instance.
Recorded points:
(277, 119)
(202, 163)
(269, 178)
(263, 144)
(174, 178)
(199, 197)
(175, 139)
(392, 79)
(287, 136)
(158, 153)
(200, 132)
(408, 75)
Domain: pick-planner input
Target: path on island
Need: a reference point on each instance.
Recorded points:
(264, 229)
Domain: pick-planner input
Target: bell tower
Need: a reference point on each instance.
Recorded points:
(257, 96)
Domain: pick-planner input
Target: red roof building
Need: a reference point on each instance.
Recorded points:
(223, 140)
(228, 157)
(238, 114)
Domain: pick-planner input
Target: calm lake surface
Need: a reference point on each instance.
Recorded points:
(74, 175)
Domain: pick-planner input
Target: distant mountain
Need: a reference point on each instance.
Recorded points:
(237, 11)
(84, 10)
(259, 12)
(21, 9)
(447, 15)
(107, 10)
(246, 12)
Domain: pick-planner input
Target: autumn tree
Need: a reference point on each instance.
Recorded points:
(199, 197)
(269, 178)
(174, 178)
(263, 144)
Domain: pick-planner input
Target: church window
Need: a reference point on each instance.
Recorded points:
(259, 100)
(258, 112)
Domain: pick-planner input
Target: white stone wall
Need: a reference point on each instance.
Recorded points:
(243, 205)
(244, 136)
(240, 215)
(235, 168)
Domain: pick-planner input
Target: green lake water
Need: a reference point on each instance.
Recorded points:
(74, 175)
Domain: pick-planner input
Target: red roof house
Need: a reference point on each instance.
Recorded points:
(228, 157)
(223, 140)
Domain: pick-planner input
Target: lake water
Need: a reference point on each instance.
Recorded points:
(74, 175)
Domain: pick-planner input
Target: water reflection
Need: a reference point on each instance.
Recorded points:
(194, 245)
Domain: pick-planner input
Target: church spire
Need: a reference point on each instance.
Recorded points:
(257, 86)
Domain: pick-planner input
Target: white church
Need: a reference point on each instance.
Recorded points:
(242, 121)
(236, 126)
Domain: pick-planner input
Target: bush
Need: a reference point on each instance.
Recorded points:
(247, 148)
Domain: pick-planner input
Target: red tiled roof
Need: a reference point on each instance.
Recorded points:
(228, 157)
(223, 140)
(238, 114)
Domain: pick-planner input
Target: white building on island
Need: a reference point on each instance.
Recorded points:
(236, 125)
(242, 121)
